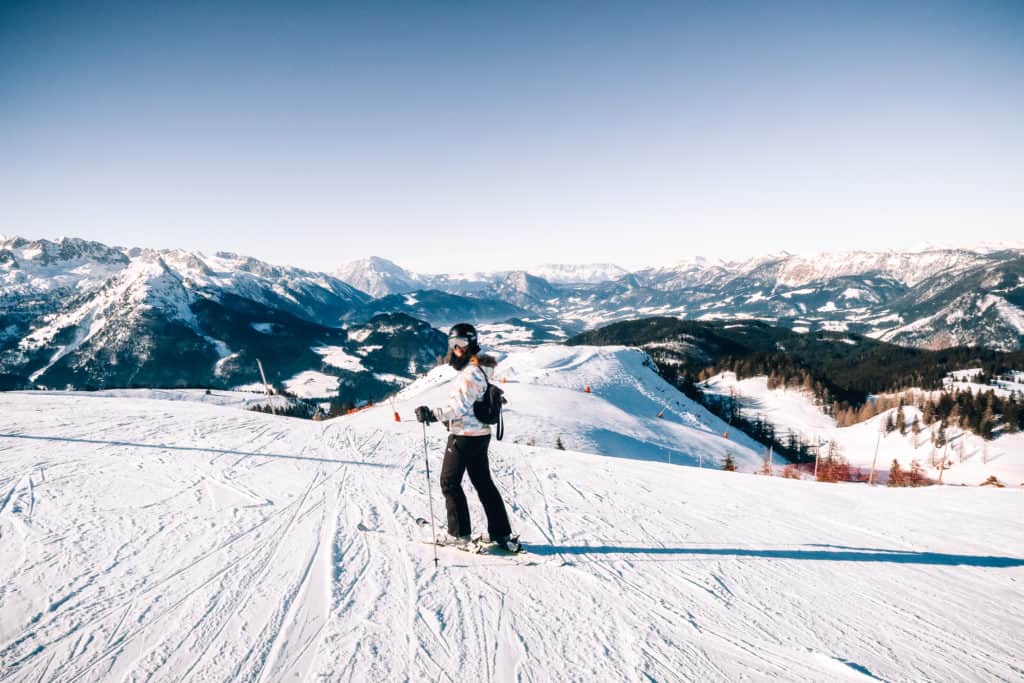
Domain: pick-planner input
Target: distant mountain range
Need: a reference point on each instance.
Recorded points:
(380, 277)
(83, 314)
(931, 299)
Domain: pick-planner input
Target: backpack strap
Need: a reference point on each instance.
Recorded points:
(487, 383)
(499, 429)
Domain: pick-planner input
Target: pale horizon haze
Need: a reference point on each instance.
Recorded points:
(470, 137)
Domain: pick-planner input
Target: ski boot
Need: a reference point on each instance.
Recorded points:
(509, 543)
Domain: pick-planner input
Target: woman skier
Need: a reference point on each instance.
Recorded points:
(467, 442)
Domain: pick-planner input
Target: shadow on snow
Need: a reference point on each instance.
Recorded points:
(813, 552)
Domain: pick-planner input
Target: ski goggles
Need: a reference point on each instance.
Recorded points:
(459, 342)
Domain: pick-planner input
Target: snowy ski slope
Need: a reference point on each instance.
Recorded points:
(145, 539)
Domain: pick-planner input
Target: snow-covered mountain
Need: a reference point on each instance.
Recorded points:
(528, 291)
(790, 270)
(587, 274)
(379, 277)
(83, 315)
(37, 269)
(34, 267)
(176, 540)
(982, 305)
(940, 294)
(906, 268)
(37, 277)
(382, 278)
(930, 298)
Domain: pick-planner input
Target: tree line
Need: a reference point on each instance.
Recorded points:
(982, 413)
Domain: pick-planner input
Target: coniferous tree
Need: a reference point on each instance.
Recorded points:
(792, 442)
(987, 419)
(928, 412)
(1011, 415)
(940, 435)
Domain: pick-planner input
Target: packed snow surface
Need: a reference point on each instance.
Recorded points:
(173, 540)
(243, 399)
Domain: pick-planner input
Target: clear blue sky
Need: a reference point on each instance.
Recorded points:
(475, 135)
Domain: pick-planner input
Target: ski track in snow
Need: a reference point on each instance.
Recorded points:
(159, 561)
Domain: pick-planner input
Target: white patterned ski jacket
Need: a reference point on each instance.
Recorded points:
(468, 387)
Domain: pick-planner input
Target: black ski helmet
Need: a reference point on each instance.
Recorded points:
(463, 334)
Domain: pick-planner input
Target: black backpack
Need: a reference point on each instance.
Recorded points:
(488, 409)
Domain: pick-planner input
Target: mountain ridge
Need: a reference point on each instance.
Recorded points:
(931, 297)
(70, 307)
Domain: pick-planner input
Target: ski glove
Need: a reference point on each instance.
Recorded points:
(425, 415)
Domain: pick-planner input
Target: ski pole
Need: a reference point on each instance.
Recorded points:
(430, 495)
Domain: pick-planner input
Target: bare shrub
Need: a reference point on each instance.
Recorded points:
(897, 477)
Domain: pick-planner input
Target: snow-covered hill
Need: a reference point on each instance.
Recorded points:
(971, 459)
(549, 403)
(171, 540)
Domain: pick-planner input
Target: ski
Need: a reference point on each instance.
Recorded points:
(474, 547)
(513, 547)
(478, 546)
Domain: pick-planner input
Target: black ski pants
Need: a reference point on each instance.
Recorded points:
(469, 454)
